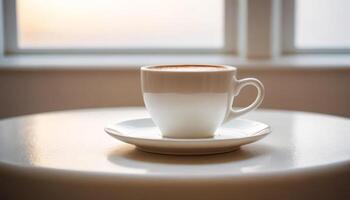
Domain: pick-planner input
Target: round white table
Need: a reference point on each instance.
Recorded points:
(67, 155)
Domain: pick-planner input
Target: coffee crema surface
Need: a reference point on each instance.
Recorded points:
(187, 78)
(188, 68)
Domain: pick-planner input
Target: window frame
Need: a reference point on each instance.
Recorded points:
(11, 45)
(288, 33)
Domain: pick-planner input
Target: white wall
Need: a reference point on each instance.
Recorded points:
(33, 91)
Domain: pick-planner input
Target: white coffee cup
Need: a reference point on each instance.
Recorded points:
(193, 101)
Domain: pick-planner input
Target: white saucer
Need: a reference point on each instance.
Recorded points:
(146, 137)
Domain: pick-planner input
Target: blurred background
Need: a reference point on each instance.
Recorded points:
(70, 54)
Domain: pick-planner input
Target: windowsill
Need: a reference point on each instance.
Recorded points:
(133, 62)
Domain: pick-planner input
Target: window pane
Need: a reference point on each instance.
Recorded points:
(322, 24)
(120, 23)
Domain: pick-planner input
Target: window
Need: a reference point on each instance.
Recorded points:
(316, 26)
(247, 28)
(322, 24)
(121, 25)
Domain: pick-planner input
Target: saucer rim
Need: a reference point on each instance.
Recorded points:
(115, 133)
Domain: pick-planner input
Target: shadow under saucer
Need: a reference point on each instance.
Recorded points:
(242, 154)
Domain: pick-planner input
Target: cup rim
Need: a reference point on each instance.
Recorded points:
(226, 67)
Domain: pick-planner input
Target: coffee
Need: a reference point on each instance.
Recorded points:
(188, 68)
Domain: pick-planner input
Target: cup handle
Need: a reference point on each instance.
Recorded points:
(260, 96)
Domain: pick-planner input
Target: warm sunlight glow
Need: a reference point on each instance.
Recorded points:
(120, 23)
